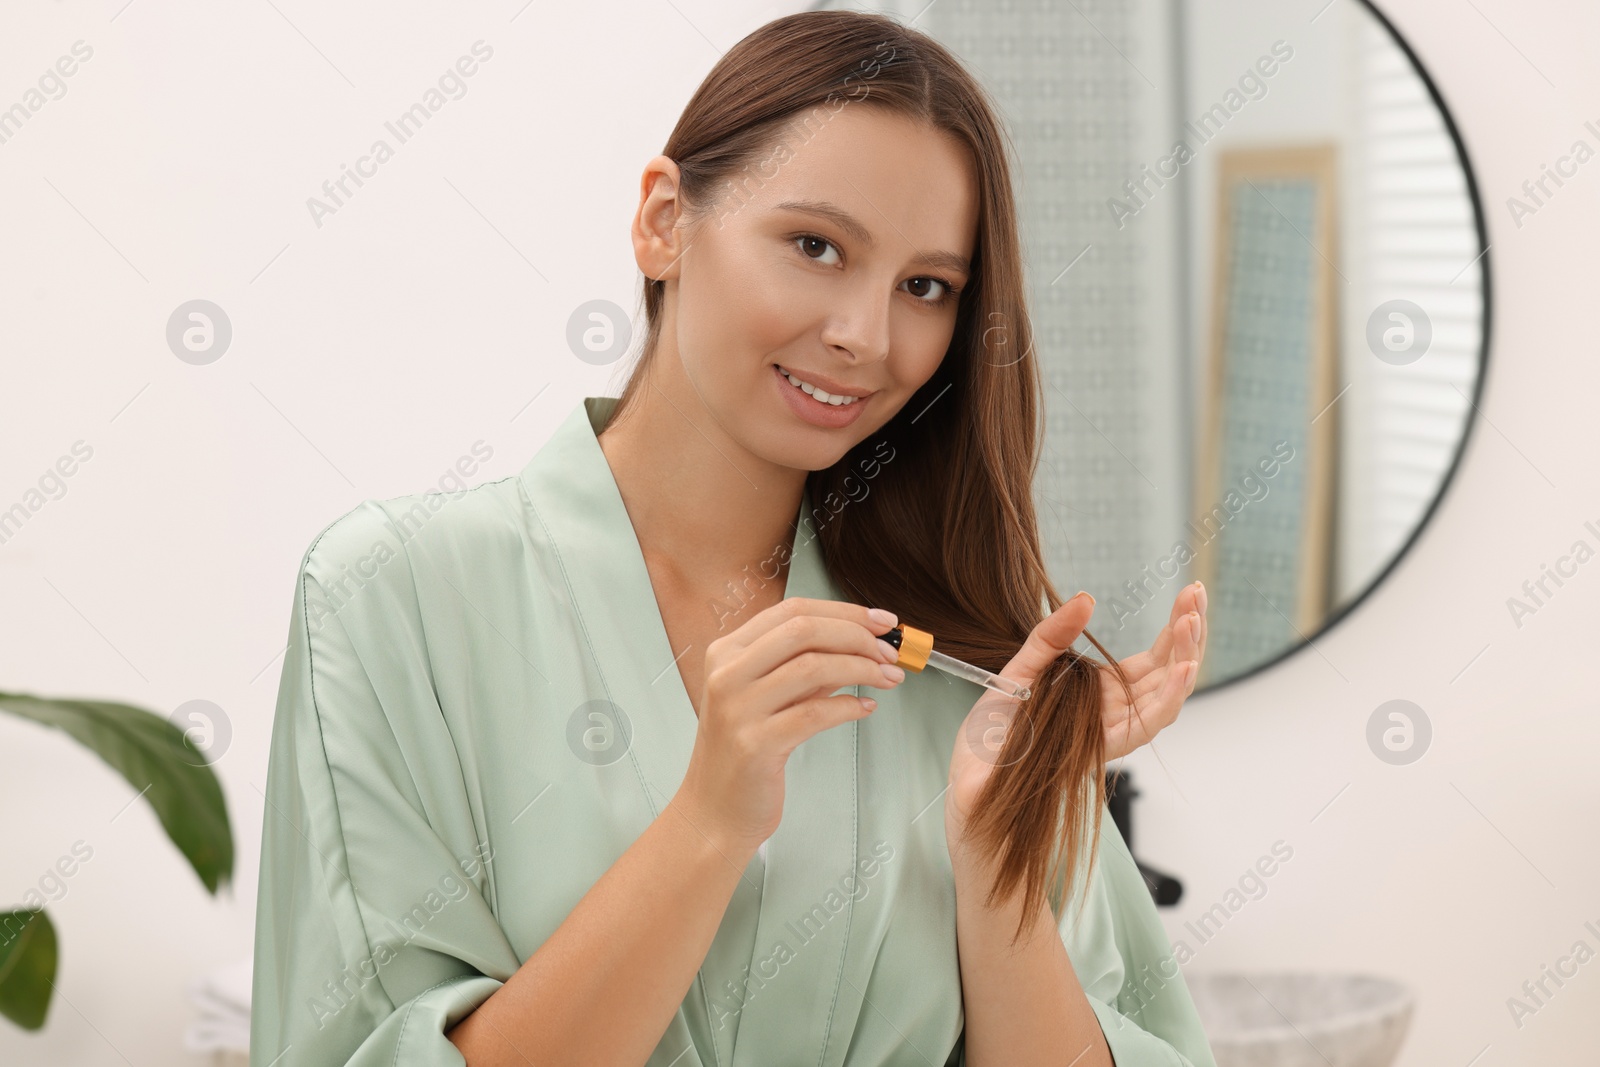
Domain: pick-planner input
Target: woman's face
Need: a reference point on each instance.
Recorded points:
(837, 257)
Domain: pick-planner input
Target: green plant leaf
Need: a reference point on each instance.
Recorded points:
(159, 761)
(27, 966)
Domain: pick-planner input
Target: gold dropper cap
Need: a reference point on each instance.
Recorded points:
(913, 646)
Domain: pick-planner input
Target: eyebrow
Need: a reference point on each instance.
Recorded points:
(850, 225)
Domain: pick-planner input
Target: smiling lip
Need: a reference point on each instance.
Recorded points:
(809, 409)
(827, 385)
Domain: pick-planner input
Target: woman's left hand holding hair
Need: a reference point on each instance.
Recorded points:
(1161, 678)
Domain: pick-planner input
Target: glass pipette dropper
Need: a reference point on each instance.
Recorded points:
(916, 651)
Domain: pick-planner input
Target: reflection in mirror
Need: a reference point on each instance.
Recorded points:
(1259, 292)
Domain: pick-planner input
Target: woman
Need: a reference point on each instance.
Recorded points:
(575, 766)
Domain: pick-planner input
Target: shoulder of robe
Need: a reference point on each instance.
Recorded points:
(365, 559)
(367, 625)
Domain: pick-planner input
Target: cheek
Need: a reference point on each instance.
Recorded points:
(923, 345)
(747, 309)
(769, 317)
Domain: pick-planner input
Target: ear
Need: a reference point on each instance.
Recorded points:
(658, 242)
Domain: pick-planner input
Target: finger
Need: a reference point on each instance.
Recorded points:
(1187, 600)
(1053, 636)
(769, 619)
(1140, 665)
(1163, 710)
(1143, 686)
(1187, 644)
(811, 717)
(1174, 694)
(816, 674)
(801, 635)
(1176, 683)
(1164, 650)
(1128, 731)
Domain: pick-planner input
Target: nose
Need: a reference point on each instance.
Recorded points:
(859, 322)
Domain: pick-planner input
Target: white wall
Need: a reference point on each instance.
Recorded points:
(375, 350)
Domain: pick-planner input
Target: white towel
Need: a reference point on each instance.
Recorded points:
(223, 1000)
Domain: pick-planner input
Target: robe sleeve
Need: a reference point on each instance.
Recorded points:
(375, 929)
(1126, 965)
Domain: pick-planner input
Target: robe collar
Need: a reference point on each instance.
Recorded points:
(767, 965)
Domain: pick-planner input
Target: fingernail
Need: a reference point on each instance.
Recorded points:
(881, 617)
(887, 651)
(1201, 596)
(893, 673)
(1194, 625)
(1084, 593)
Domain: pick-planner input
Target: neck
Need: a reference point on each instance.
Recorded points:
(702, 506)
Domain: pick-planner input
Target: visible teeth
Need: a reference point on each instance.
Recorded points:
(819, 394)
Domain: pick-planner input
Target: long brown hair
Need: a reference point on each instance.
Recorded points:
(950, 542)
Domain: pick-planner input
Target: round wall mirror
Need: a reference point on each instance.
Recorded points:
(1260, 297)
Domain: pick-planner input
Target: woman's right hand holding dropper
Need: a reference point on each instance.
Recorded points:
(767, 687)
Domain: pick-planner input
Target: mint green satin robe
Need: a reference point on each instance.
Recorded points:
(479, 713)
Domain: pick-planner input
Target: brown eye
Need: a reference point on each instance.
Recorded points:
(945, 292)
(806, 241)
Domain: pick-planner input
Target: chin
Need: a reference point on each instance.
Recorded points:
(797, 447)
